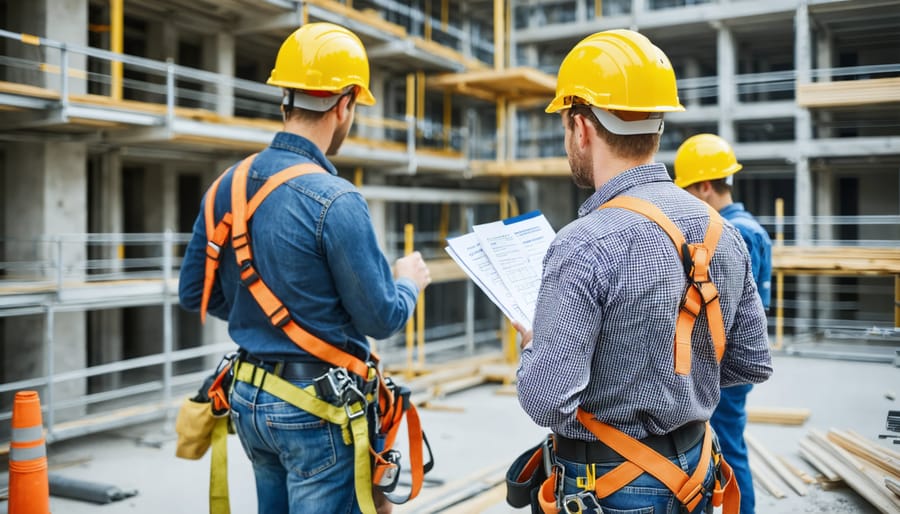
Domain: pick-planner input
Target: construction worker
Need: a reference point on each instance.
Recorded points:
(643, 266)
(705, 166)
(313, 246)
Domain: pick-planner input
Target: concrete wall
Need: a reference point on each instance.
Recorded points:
(44, 195)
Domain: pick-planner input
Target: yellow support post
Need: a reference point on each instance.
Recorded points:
(779, 276)
(427, 29)
(116, 45)
(598, 8)
(410, 94)
(358, 177)
(448, 117)
(499, 35)
(420, 97)
(410, 325)
(444, 223)
(420, 329)
(445, 14)
(896, 301)
(501, 129)
(304, 13)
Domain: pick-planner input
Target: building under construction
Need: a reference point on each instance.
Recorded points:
(118, 114)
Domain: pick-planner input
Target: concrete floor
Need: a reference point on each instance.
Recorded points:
(486, 431)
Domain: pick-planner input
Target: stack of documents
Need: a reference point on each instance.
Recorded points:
(505, 259)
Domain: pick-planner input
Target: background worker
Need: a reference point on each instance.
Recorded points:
(705, 166)
(314, 245)
(602, 343)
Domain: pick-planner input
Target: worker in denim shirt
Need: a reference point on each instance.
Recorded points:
(314, 245)
(627, 407)
(705, 166)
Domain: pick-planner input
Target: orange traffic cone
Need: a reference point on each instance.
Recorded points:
(29, 490)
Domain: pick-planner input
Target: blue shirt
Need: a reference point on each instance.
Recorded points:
(313, 244)
(758, 245)
(604, 325)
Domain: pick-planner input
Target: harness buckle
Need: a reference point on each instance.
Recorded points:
(251, 277)
(391, 475)
(583, 502)
(215, 249)
(333, 385)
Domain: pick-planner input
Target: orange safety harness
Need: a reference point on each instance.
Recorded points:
(393, 403)
(701, 295)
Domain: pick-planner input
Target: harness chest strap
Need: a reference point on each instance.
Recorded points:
(701, 294)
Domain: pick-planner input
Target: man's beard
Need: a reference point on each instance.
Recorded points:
(337, 139)
(582, 169)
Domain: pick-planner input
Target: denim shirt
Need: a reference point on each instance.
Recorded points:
(314, 246)
(758, 245)
(606, 313)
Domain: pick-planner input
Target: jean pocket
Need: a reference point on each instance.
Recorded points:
(643, 510)
(305, 442)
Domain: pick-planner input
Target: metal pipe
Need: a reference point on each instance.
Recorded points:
(168, 344)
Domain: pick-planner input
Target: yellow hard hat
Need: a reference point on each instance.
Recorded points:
(617, 70)
(704, 157)
(323, 57)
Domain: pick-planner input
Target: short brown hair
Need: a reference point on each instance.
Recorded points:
(638, 146)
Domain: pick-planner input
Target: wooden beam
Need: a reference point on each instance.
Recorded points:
(794, 482)
(778, 415)
(849, 93)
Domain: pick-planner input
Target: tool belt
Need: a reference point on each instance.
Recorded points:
(536, 478)
(597, 452)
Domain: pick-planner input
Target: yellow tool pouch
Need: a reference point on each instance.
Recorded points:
(194, 426)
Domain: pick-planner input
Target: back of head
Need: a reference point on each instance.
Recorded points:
(704, 157)
(618, 71)
(318, 63)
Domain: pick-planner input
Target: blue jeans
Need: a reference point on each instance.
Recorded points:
(729, 420)
(644, 495)
(300, 461)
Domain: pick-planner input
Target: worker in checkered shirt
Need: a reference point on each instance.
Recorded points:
(613, 281)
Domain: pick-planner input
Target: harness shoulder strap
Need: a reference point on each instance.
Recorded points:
(216, 235)
(273, 308)
(701, 293)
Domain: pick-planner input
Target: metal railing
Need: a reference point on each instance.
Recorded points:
(186, 91)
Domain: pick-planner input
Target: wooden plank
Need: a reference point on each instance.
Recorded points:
(778, 415)
(433, 500)
(864, 450)
(795, 483)
(851, 471)
(765, 478)
(832, 260)
(797, 471)
(847, 93)
(481, 502)
(814, 455)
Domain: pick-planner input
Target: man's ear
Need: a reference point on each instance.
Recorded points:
(581, 130)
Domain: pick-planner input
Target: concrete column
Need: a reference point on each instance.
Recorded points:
(727, 88)
(825, 296)
(164, 38)
(580, 11)
(168, 198)
(638, 10)
(824, 60)
(65, 21)
(218, 56)
(803, 134)
(44, 195)
(691, 71)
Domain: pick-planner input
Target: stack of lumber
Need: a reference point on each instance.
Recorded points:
(872, 470)
(775, 475)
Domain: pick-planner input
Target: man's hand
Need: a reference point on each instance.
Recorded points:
(414, 268)
(382, 505)
(526, 334)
